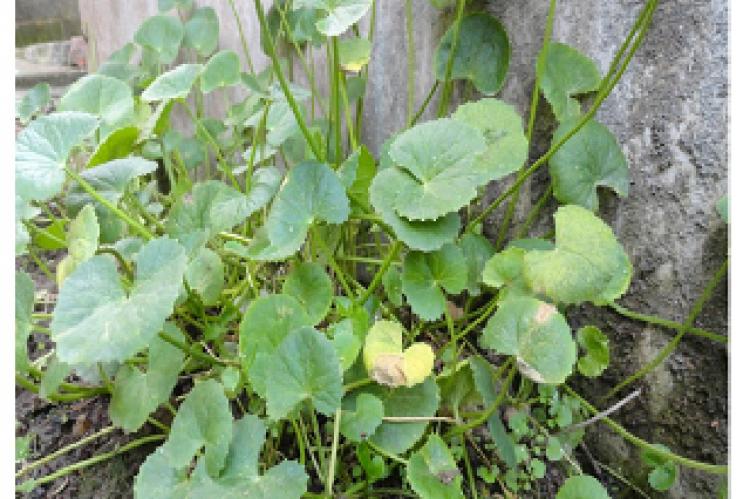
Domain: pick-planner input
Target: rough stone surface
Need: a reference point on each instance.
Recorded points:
(46, 20)
(669, 113)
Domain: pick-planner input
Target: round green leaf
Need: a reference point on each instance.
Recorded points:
(162, 34)
(103, 96)
(505, 270)
(267, 321)
(305, 366)
(419, 400)
(482, 55)
(174, 84)
(137, 394)
(312, 191)
(663, 477)
(340, 14)
(572, 272)
(42, 151)
(221, 70)
(537, 334)
(361, 423)
(596, 345)
(427, 275)
(428, 235)
(203, 421)
(97, 320)
(202, 31)
(432, 473)
(566, 73)
(439, 157)
(309, 283)
(205, 274)
(502, 129)
(590, 159)
(580, 487)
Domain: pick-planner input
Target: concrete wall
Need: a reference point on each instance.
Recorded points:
(669, 113)
(46, 20)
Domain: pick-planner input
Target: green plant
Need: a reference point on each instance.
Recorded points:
(263, 261)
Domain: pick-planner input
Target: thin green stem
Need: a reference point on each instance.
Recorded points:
(458, 430)
(424, 105)
(283, 83)
(509, 212)
(40, 264)
(137, 226)
(534, 213)
(245, 46)
(378, 277)
(334, 449)
(447, 84)
(97, 459)
(672, 345)
(60, 397)
(488, 310)
(709, 468)
(357, 384)
(75, 445)
(658, 321)
(392, 457)
(601, 96)
(44, 232)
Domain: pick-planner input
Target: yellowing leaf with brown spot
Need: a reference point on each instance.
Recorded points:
(387, 364)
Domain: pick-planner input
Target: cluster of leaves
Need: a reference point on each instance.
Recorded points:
(250, 283)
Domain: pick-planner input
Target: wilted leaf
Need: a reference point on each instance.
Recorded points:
(387, 364)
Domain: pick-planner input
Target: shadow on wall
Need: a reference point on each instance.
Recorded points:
(40, 21)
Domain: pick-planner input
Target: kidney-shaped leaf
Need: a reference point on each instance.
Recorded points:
(42, 150)
(582, 486)
(420, 400)
(386, 361)
(441, 175)
(109, 98)
(305, 366)
(202, 31)
(309, 283)
(340, 14)
(422, 235)
(312, 191)
(432, 472)
(97, 320)
(174, 84)
(502, 129)
(536, 334)
(163, 34)
(427, 275)
(137, 394)
(267, 321)
(482, 55)
(203, 421)
(221, 70)
(566, 73)
(587, 264)
(589, 159)
(362, 422)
